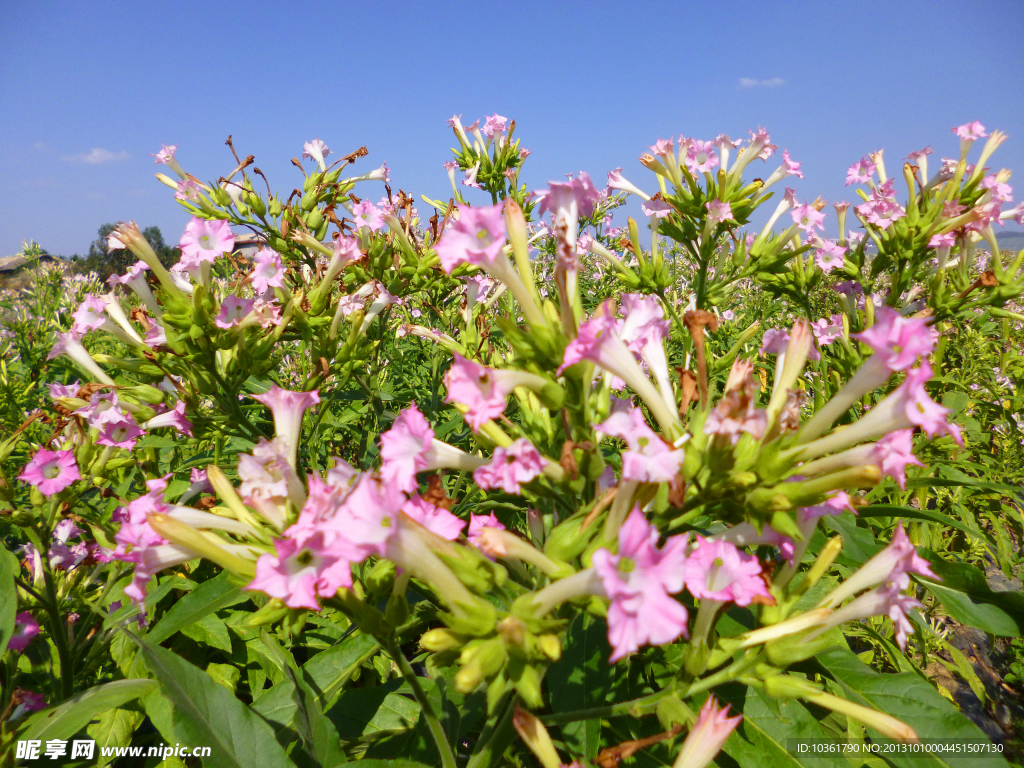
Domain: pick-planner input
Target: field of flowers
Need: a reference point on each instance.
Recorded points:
(504, 484)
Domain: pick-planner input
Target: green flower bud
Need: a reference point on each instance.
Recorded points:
(381, 577)
(566, 541)
(790, 687)
(480, 660)
(438, 640)
(550, 646)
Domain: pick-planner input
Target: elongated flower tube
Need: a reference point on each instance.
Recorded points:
(885, 724)
(886, 600)
(478, 238)
(209, 521)
(801, 342)
(585, 583)
(644, 330)
(599, 342)
(408, 548)
(269, 481)
(707, 735)
(908, 406)
(649, 458)
(130, 237)
(897, 342)
(409, 447)
(759, 144)
(533, 733)
(892, 455)
(288, 408)
(135, 278)
(892, 564)
(616, 181)
(495, 542)
(70, 345)
(184, 535)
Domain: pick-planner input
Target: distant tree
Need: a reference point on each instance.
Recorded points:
(105, 262)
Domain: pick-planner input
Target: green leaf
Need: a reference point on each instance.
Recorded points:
(329, 670)
(363, 711)
(859, 544)
(9, 568)
(761, 739)
(955, 401)
(929, 515)
(965, 593)
(209, 597)
(206, 713)
(391, 764)
(115, 728)
(581, 679)
(224, 674)
(906, 697)
(68, 718)
(210, 630)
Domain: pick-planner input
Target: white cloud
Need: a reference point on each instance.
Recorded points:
(749, 82)
(97, 156)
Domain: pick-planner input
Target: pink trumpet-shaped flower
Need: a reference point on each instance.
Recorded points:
(807, 218)
(477, 523)
(894, 564)
(510, 467)
(268, 271)
(898, 341)
(649, 459)
(719, 212)
(233, 310)
(409, 447)
(25, 628)
(828, 330)
(476, 238)
(717, 570)
(478, 388)
(657, 208)
(971, 131)
(707, 735)
(830, 256)
(174, 418)
(894, 453)
(563, 198)
(366, 214)
(51, 471)
(435, 519)
(701, 157)
(640, 581)
(90, 315)
(288, 408)
(206, 240)
(885, 600)
(118, 430)
(494, 125)
(860, 172)
(315, 150)
(302, 572)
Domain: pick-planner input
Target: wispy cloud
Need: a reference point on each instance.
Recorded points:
(749, 82)
(97, 156)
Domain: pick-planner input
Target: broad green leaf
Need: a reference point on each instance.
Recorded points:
(9, 568)
(209, 597)
(210, 630)
(225, 674)
(115, 728)
(208, 714)
(68, 718)
(328, 671)
(965, 590)
(363, 711)
(859, 544)
(761, 740)
(906, 697)
(581, 679)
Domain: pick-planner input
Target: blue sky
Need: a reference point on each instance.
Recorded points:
(90, 88)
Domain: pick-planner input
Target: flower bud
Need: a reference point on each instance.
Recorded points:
(790, 687)
(479, 662)
(438, 640)
(550, 646)
(381, 577)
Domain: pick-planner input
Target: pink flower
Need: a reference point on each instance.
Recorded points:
(51, 471)
(791, 168)
(894, 453)
(881, 213)
(617, 181)
(482, 390)
(774, 341)
(435, 519)
(188, 189)
(477, 524)
(639, 581)
(58, 390)
(701, 157)
(233, 310)
(30, 702)
(807, 218)
(830, 256)
(707, 735)
(302, 572)
(510, 467)
(165, 155)
(719, 212)
(836, 504)
(573, 198)
(947, 240)
(860, 172)
(737, 412)
(828, 329)
(315, 150)
(664, 147)
(288, 408)
(917, 155)
(25, 628)
(728, 315)
(174, 418)
(366, 214)
(118, 430)
(268, 272)
(649, 458)
(206, 240)
(717, 570)
(970, 131)
(476, 238)
(494, 125)
(90, 315)
(658, 208)
(898, 341)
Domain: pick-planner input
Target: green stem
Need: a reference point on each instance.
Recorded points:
(58, 629)
(440, 739)
(498, 738)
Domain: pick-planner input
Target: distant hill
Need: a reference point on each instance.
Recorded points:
(1011, 241)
